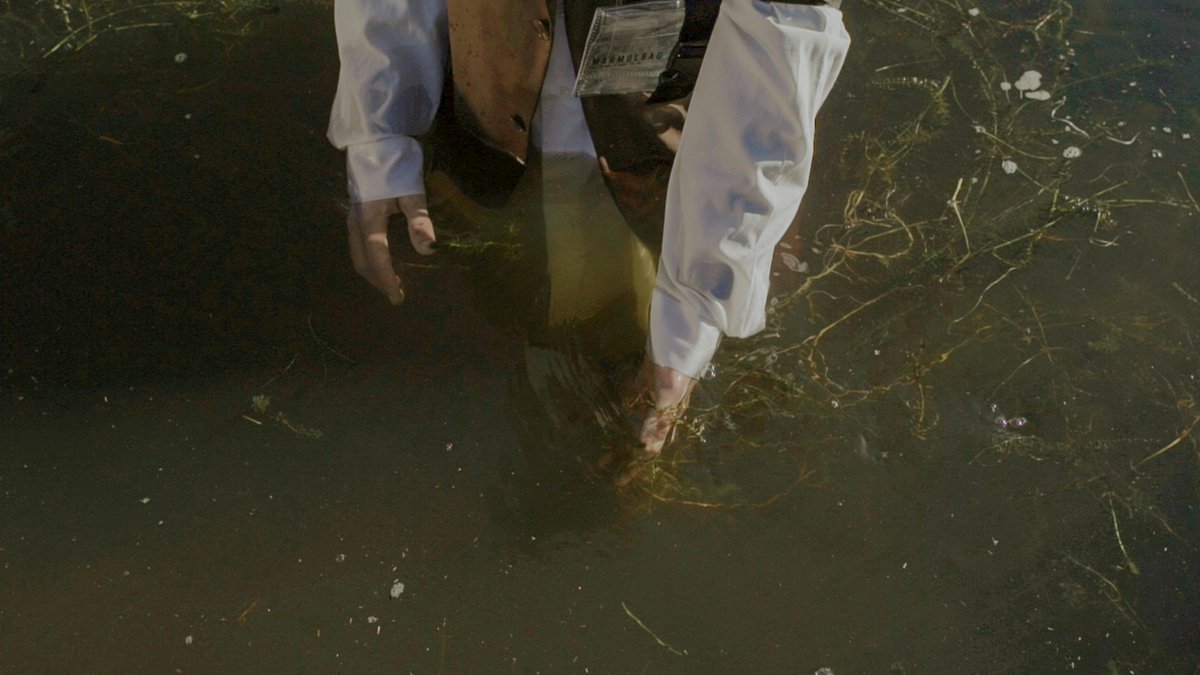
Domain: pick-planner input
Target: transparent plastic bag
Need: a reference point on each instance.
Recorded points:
(628, 47)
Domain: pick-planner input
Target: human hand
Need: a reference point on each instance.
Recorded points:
(367, 228)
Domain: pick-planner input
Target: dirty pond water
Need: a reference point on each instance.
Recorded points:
(966, 443)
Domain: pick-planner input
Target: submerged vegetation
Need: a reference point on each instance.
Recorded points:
(32, 36)
(1020, 241)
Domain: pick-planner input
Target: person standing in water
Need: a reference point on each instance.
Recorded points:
(737, 171)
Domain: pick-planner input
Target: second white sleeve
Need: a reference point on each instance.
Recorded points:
(740, 173)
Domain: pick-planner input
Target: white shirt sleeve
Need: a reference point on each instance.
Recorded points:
(393, 62)
(740, 173)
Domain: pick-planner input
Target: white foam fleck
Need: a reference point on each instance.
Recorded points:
(1030, 80)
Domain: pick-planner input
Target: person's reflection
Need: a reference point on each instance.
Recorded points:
(557, 263)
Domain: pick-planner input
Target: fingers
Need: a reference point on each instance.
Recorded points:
(366, 226)
(420, 225)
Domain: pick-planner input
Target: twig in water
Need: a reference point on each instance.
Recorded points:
(1060, 103)
(656, 638)
(1186, 432)
(1133, 568)
(1188, 191)
(954, 205)
(1189, 296)
(242, 617)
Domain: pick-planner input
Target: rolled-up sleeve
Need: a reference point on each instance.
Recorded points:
(393, 61)
(740, 173)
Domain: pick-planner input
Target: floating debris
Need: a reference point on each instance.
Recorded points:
(180, 57)
(1009, 166)
(397, 589)
(793, 263)
(341, 558)
(1039, 95)
(1071, 152)
(1031, 80)
(974, 11)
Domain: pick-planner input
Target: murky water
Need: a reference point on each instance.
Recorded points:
(966, 443)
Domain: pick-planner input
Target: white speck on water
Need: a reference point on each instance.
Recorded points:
(1039, 95)
(397, 589)
(372, 619)
(979, 129)
(1031, 80)
(1166, 130)
(187, 640)
(1009, 166)
(824, 671)
(793, 263)
(1187, 137)
(1005, 86)
(1133, 83)
(145, 500)
(1156, 153)
(180, 57)
(341, 557)
(974, 11)
(1071, 152)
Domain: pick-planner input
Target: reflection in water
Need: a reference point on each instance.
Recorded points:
(571, 278)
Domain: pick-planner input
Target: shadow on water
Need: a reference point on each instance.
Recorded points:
(966, 441)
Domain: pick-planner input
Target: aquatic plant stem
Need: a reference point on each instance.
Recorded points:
(1132, 566)
(92, 22)
(656, 638)
(958, 214)
(1183, 436)
(1188, 190)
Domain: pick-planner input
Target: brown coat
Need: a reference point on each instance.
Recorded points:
(499, 51)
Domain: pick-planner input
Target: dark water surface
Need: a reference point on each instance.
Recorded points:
(960, 447)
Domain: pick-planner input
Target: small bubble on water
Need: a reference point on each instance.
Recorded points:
(1018, 422)
(180, 57)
